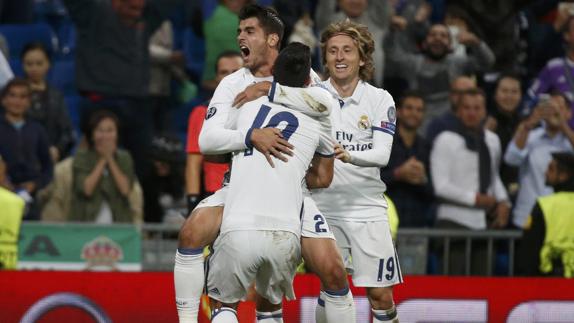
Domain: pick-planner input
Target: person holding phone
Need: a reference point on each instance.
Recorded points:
(545, 131)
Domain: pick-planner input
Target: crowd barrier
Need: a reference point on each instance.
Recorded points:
(57, 296)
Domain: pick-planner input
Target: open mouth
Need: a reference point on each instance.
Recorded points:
(245, 51)
(340, 67)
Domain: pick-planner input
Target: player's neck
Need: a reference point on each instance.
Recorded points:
(266, 68)
(407, 135)
(345, 87)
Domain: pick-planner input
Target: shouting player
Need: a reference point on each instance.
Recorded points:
(261, 227)
(259, 35)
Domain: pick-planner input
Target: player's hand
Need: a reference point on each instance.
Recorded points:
(342, 154)
(467, 38)
(270, 142)
(251, 93)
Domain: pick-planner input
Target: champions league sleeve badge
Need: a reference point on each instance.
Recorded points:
(392, 114)
(210, 113)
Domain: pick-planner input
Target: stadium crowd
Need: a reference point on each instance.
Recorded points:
(102, 103)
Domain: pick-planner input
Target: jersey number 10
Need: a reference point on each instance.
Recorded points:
(283, 116)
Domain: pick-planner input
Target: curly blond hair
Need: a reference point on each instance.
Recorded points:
(362, 39)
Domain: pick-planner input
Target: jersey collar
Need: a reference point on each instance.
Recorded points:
(357, 94)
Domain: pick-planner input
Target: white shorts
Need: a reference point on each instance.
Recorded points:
(213, 200)
(368, 252)
(269, 258)
(313, 223)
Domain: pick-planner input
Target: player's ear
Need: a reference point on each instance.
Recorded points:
(272, 40)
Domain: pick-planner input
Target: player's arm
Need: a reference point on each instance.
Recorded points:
(314, 101)
(383, 128)
(320, 174)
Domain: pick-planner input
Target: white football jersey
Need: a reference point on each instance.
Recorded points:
(264, 198)
(216, 136)
(356, 193)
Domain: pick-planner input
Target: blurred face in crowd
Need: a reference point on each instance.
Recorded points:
(36, 65)
(353, 8)
(235, 5)
(226, 66)
(16, 101)
(437, 42)
(343, 58)
(508, 94)
(410, 114)
(471, 110)
(458, 86)
(557, 110)
(105, 133)
(569, 34)
(129, 9)
(254, 44)
(554, 175)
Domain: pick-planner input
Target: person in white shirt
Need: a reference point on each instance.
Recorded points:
(354, 204)
(261, 226)
(259, 35)
(465, 164)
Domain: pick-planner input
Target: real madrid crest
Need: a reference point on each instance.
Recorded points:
(364, 122)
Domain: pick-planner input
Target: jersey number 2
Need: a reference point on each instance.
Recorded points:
(283, 116)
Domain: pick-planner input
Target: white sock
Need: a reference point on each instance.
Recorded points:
(320, 313)
(270, 317)
(339, 306)
(188, 276)
(224, 315)
(387, 316)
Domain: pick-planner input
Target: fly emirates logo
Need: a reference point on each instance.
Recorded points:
(346, 140)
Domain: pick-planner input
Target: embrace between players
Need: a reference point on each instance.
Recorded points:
(273, 212)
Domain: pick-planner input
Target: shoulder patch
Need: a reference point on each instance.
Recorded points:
(392, 114)
(210, 112)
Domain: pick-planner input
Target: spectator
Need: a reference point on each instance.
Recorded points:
(448, 119)
(432, 72)
(167, 197)
(376, 15)
(6, 73)
(48, 107)
(294, 14)
(196, 166)
(163, 59)
(531, 150)
(503, 120)
(464, 169)
(113, 66)
(103, 175)
(558, 74)
(25, 145)
(220, 35)
(547, 246)
(407, 174)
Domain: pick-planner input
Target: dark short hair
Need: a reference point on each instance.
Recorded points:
(34, 46)
(15, 82)
(410, 94)
(268, 19)
(508, 75)
(94, 120)
(226, 54)
(565, 162)
(293, 65)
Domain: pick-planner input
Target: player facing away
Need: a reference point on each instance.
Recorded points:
(259, 35)
(261, 227)
(354, 204)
